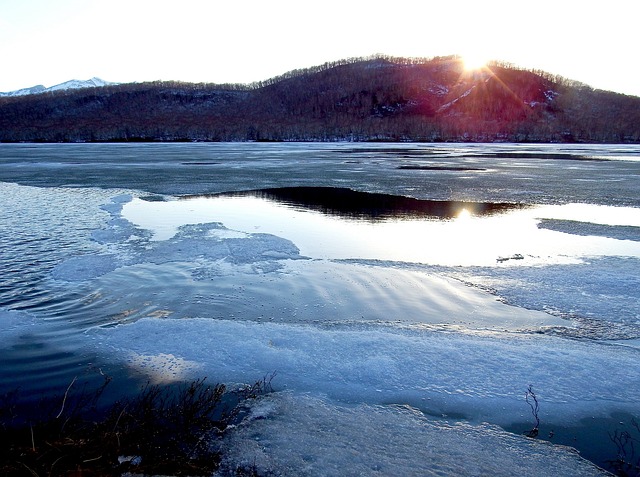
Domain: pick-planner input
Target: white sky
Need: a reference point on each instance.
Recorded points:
(240, 41)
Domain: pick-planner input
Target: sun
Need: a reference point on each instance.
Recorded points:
(474, 60)
(463, 214)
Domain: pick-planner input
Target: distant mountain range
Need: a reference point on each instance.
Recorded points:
(362, 99)
(73, 84)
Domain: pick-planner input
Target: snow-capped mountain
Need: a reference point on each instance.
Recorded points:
(72, 84)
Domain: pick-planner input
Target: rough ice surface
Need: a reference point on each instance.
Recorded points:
(306, 435)
(384, 366)
(168, 368)
(575, 227)
(85, 267)
(602, 293)
(213, 242)
(481, 375)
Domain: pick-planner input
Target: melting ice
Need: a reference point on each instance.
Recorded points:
(392, 356)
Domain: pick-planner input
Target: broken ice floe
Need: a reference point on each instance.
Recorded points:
(85, 267)
(574, 227)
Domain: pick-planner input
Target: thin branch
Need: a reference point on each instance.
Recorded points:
(535, 408)
(92, 460)
(115, 426)
(29, 469)
(54, 464)
(64, 400)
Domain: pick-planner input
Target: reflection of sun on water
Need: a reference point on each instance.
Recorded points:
(473, 239)
(469, 238)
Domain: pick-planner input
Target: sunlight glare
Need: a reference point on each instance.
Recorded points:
(464, 214)
(474, 60)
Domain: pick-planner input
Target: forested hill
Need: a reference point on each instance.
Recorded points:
(368, 99)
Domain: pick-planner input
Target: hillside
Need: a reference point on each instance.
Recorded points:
(366, 99)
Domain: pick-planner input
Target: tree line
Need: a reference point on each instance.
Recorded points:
(360, 99)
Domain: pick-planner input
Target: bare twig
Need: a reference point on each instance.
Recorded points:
(92, 460)
(64, 400)
(535, 408)
(115, 426)
(29, 469)
(54, 464)
(266, 382)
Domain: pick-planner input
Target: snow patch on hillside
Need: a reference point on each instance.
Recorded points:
(451, 103)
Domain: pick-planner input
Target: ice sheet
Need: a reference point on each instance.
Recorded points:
(307, 436)
(480, 375)
(601, 294)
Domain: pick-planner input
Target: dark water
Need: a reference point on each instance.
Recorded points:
(605, 441)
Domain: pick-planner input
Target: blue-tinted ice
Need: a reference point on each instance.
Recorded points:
(405, 339)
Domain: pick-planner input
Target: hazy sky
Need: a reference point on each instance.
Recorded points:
(240, 41)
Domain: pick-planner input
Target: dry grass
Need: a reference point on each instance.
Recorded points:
(163, 430)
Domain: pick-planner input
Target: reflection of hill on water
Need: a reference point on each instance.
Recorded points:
(352, 204)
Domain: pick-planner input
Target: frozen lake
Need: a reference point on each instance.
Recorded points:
(406, 295)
